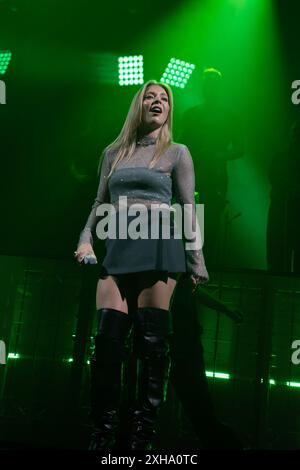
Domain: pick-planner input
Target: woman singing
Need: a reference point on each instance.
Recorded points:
(141, 169)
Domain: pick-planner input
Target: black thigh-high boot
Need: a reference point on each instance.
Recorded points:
(153, 329)
(106, 376)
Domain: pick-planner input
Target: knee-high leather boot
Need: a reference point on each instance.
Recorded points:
(106, 376)
(153, 328)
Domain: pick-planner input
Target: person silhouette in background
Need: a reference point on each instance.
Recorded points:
(283, 231)
(213, 133)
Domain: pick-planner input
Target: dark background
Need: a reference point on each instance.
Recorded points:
(63, 107)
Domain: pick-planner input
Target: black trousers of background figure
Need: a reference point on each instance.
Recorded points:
(213, 249)
(187, 374)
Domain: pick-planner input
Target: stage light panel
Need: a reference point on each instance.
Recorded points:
(5, 57)
(177, 73)
(131, 70)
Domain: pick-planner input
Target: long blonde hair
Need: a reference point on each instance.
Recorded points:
(125, 143)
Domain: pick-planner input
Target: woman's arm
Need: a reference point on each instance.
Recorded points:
(86, 235)
(184, 182)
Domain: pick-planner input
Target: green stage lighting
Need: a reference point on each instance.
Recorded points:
(293, 384)
(5, 57)
(131, 70)
(177, 73)
(217, 375)
(13, 356)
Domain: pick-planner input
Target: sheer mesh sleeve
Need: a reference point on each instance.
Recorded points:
(86, 235)
(184, 182)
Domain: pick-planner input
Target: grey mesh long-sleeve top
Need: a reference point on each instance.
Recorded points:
(171, 177)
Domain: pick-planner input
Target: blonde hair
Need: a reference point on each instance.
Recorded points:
(125, 143)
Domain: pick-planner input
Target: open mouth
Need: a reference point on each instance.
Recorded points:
(156, 110)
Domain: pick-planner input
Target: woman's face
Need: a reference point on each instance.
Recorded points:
(156, 107)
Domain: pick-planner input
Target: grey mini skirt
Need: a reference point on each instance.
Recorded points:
(151, 254)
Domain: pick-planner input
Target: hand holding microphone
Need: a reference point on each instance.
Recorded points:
(85, 254)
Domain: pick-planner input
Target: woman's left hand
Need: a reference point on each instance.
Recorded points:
(196, 280)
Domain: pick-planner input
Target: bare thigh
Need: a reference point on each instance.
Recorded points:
(144, 289)
(112, 294)
(155, 291)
